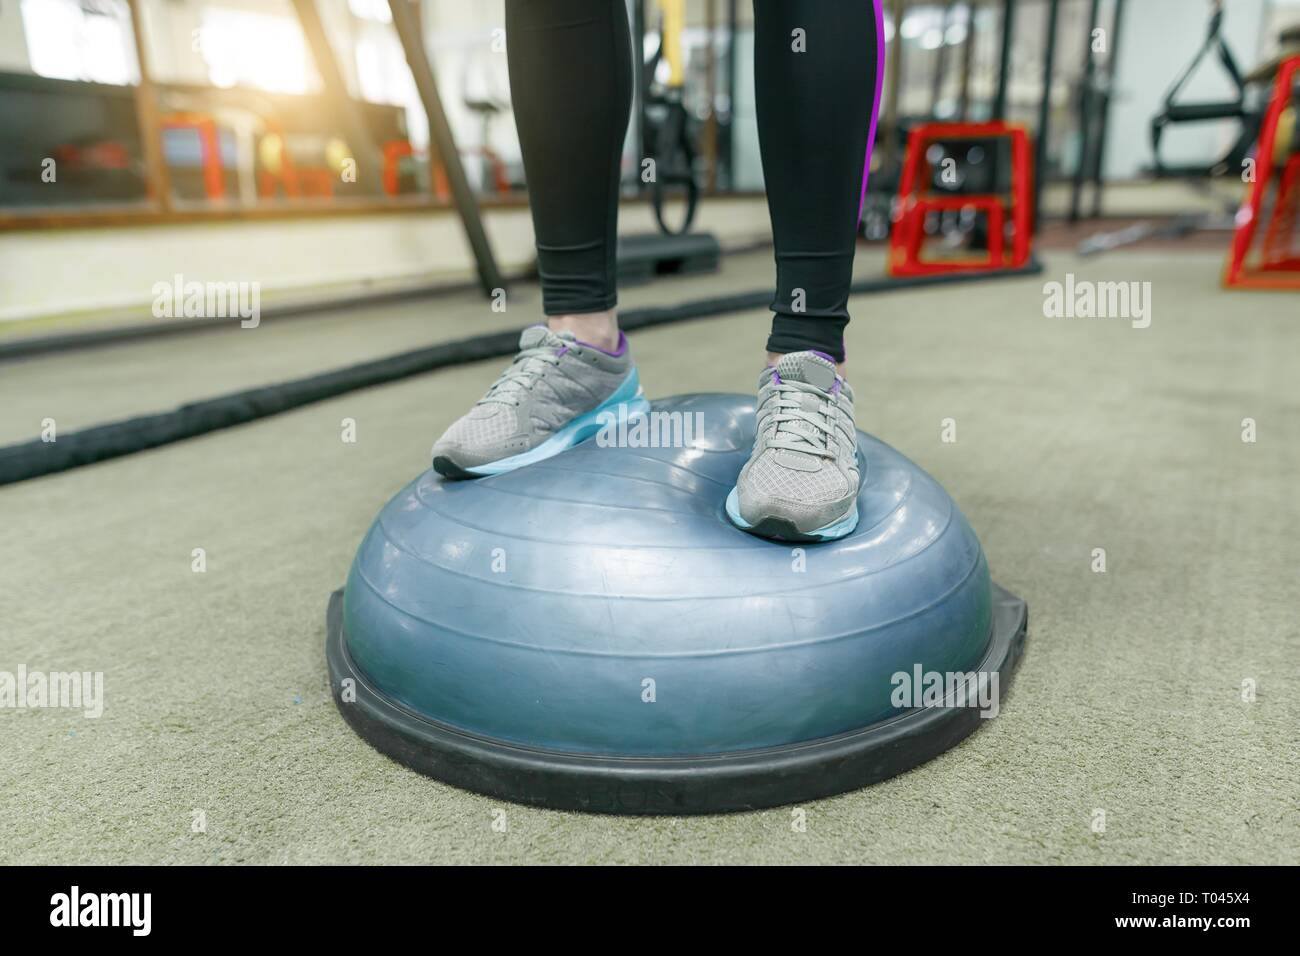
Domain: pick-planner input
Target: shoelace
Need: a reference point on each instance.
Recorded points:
(785, 408)
(522, 375)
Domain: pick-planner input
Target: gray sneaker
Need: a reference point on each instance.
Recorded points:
(801, 480)
(548, 400)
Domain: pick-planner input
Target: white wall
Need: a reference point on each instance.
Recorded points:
(50, 273)
(13, 43)
(747, 163)
(91, 272)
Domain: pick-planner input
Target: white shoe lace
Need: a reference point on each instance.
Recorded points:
(523, 373)
(785, 408)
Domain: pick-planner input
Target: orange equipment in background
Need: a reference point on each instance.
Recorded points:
(395, 150)
(214, 182)
(916, 201)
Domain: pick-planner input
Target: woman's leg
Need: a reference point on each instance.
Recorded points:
(817, 68)
(571, 86)
(817, 76)
(571, 82)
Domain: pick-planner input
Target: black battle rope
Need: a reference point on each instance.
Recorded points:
(31, 459)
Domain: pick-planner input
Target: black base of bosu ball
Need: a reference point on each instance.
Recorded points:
(591, 632)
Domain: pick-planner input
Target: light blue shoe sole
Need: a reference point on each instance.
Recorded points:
(628, 395)
(780, 530)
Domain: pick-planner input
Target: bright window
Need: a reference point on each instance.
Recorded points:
(260, 50)
(80, 40)
(376, 10)
(384, 77)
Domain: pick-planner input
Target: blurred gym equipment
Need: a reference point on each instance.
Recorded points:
(1195, 175)
(1176, 113)
(1273, 199)
(666, 134)
(953, 168)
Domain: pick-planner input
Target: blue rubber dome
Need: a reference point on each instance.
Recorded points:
(598, 609)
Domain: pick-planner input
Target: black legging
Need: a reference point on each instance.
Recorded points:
(571, 83)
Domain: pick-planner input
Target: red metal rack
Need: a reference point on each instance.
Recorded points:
(908, 238)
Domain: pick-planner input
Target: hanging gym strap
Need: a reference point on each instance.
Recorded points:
(668, 135)
(1175, 113)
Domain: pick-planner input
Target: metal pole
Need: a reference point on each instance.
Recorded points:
(432, 160)
(711, 91)
(967, 64)
(941, 61)
(413, 44)
(893, 83)
(1085, 114)
(347, 111)
(1112, 66)
(733, 22)
(1004, 59)
(638, 85)
(1045, 108)
(156, 178)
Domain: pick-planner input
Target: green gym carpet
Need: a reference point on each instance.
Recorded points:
(1153, 719)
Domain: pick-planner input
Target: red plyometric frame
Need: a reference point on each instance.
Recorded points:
(1278, 265)
(394, 151)
(214, 183)
(907, 239)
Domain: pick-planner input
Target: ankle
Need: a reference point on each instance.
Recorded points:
(774, 357)
(595, 328)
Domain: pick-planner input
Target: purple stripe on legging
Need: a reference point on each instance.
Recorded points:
(875, 109)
